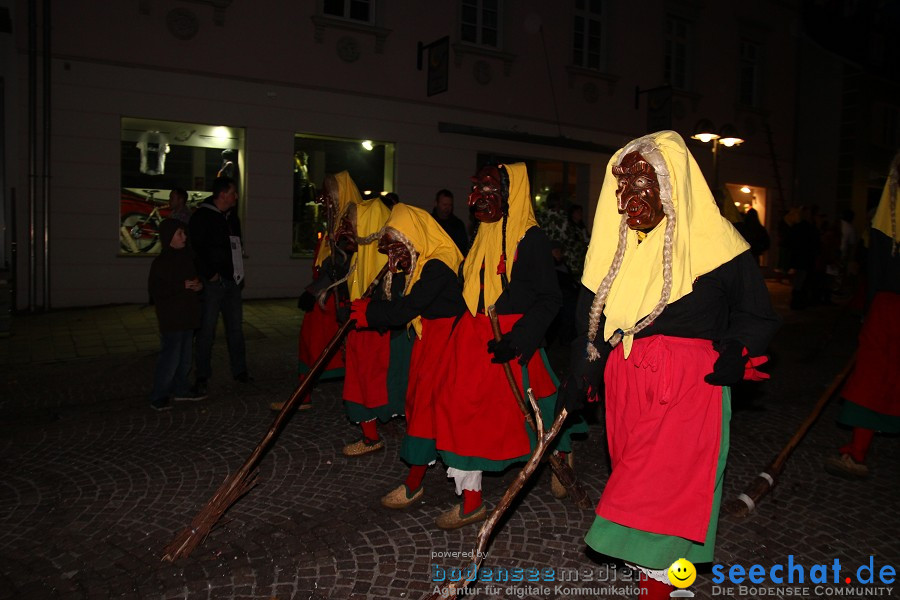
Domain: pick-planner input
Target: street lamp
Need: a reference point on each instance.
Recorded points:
(727, 136)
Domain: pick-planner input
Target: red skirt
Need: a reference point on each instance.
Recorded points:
(368, 357)
(476, 413)
(427, 374)
(875, 381)
(664, 427)
(318, 328)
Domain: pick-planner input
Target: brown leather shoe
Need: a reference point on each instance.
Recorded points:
(454, 518)
(844, 466)
(363, 447)
(400, 497)
(556, 487)
(277, 406)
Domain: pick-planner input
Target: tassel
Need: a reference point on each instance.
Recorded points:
(501, 266)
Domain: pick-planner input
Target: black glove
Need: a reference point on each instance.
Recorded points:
(306, 302)
(584, 383)
(503, 351)
(729, 367)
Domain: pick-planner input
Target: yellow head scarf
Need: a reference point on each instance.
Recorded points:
(702, 240)
(429, 240)
(370, 217)
(347, 194)
(887, 217)
(487, 247)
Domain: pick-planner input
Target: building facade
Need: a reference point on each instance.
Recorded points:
(143, 96)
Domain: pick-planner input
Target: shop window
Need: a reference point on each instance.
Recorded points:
(160, 156)
(370, 164)
(480, 22)
(588, 37)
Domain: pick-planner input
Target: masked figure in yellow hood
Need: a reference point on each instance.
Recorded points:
(320, 299)
(673, 303)
(376, 362)
(872, 393)
(416, 245)
(478, 421)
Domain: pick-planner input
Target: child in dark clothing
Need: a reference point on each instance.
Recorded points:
(173, 286)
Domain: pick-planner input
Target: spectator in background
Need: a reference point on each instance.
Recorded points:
(453, 225)
(178, 205)
(216, 240)
(755, 234)
(804, 249)
(173, 286)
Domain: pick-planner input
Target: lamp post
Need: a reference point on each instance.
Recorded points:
(727, 136)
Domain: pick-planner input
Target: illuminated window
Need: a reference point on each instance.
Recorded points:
(369, 162)
(160, 156)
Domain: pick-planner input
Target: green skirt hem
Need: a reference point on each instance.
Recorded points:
(418, 451)
(855, 415)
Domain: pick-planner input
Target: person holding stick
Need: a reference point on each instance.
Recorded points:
(480, 427)
(673, 305)
(376, 362)
(416, 245)
(872, 393)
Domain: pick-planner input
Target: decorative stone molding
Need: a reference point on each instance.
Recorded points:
(460, 50)
(182, 23)
(322, 23)
(593, 76)
(348, 49)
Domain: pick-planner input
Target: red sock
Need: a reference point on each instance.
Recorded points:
(369, 430)
(415, 477)
(652, 589)
(471, 500)
(859, 447)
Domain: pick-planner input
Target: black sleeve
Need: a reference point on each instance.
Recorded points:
(751, 318)
(202, 244)
(435, 280)
(883, 266)
(578, 358)
(533, 291)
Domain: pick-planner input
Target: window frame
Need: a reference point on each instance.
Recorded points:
(479, 24)
(588, 16)
(347, 11)
(685, 42)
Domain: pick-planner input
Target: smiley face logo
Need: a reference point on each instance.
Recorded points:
(682, 573)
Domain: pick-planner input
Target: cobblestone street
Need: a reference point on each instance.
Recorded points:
(95, 484)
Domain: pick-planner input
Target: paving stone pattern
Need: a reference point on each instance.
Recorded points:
(96, 483)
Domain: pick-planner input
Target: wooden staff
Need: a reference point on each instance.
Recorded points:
(560, 467)
(487, 528)
(746, 503)
(243, 480)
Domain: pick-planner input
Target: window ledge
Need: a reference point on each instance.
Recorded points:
(692, 97)
(322, 23)
(460, 49)
(756, 110)
(576, 72)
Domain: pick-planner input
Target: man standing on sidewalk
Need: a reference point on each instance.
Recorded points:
(216, 239)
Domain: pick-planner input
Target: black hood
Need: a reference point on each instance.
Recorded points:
(167, 231)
